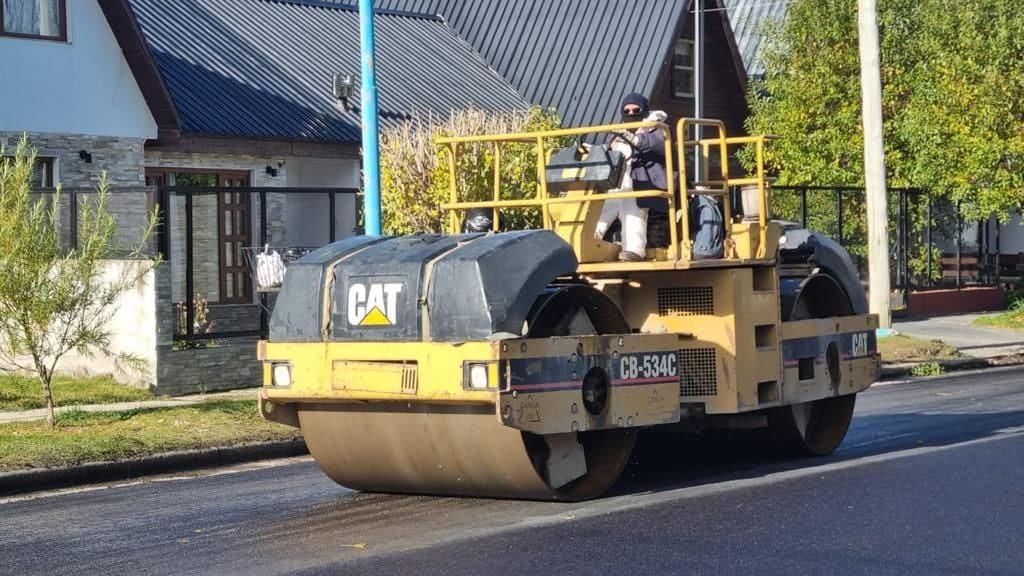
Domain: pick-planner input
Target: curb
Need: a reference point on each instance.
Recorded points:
(905, 370)
(22, 481)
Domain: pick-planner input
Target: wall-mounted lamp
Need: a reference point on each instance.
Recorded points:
(271, 171)
(342, 85)
(85, 155)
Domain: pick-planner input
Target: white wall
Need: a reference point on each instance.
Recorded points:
(82, 86)
(132, 331)
(1011, 236)
(308, 214)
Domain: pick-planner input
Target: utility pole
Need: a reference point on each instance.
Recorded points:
(874, 163)
(698, 83)
(371, 146)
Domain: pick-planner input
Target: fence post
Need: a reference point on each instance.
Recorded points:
(929, 236)
(73, 217)
(905, 241)
(839, 215)
(190, 312)
(332, 200)
(803, 205)
(999, 253)
(959, 241)
(164, 213)
(264, 323)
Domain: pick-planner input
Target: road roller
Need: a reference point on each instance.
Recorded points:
(524, 363)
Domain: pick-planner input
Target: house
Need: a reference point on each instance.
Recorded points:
(207, 108)
(223, 114)
(582, 57)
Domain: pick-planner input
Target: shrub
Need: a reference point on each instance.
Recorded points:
(928, 369)
(415, 172)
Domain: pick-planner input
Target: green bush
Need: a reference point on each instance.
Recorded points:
(415, 172)
(928, 369)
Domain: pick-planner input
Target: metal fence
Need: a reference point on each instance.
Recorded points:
(130, 206)
(263, 224)
(919, 223)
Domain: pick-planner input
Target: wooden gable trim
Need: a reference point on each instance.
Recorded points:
(730, 39)
(213, 144)
(140, 60)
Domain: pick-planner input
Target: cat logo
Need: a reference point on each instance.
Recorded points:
(373, 304)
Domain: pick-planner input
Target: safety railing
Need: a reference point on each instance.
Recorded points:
(719, 187)
(543, 200)
(722, 187)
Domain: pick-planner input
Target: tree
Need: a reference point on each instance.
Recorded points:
(415, 175)
(953, 97)
(54, 300)
(953, 100)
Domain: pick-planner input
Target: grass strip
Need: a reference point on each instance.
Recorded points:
(1011, 319)
(80, 437)
(901, 349)
(26, 393)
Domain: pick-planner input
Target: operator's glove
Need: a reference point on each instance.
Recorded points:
(627, 136)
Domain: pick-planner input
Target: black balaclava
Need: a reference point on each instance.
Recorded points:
(636, 100)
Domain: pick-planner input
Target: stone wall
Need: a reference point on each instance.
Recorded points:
(227, 364)
(230, 365)
(121, 158)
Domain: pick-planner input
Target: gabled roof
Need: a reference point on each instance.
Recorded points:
(748, 19)
(579, 56)
(126, 30)
(263, 68)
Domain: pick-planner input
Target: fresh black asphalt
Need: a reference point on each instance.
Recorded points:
(929, 481)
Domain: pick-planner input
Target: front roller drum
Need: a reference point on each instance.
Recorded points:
(467, 451)
(461, 451)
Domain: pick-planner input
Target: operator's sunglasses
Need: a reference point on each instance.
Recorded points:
(631, 110)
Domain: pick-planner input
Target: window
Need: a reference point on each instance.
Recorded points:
(42, 175)
(682, 69)
(34, 19)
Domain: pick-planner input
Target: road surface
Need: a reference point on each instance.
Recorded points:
(929, 481)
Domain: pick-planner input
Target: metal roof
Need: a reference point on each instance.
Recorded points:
(263, 68)
(580, 57)
(747, 17)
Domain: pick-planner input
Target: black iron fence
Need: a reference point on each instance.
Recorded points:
(130, 206)
(239, 197)
(926, 234)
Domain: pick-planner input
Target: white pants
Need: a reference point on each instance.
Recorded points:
(634, 223)
(632, 217)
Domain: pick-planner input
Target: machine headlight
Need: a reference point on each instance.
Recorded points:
(281, 375)
(478, 376)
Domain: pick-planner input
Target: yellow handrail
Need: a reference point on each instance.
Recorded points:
(679, 210)
(542, 199)
(683, 143)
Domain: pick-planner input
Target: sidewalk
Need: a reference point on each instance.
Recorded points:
(40, 413)
(959, 332)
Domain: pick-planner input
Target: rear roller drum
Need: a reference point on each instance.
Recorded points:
(818, 427)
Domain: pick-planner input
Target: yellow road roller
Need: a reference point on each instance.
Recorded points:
(524, 363)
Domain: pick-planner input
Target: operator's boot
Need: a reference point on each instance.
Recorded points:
(634, 230)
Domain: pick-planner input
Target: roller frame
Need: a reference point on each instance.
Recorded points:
(537, 382)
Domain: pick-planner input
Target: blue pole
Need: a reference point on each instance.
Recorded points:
(368, 93)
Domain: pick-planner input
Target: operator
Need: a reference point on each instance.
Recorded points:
(645, 149)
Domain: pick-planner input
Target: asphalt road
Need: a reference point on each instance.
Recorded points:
(929, 481)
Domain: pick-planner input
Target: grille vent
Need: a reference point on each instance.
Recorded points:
(698, 372)
(686, 301)
(410, 378)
